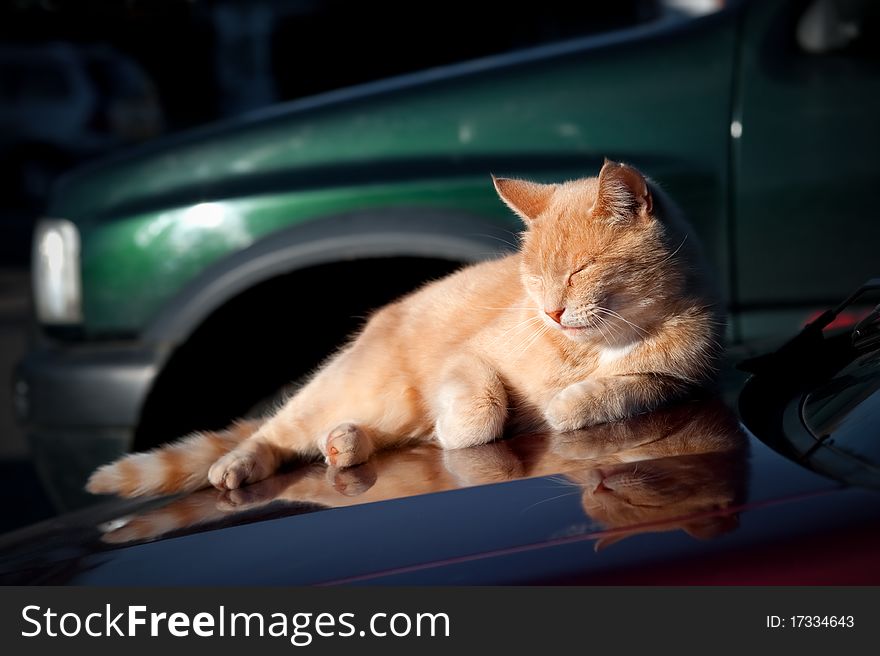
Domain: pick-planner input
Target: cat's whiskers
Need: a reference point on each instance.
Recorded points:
(558, 496)
(617, 329)
(525, 344)
(614, 328)
(521, 324)
(614, 314)
(496, 238)
(638, 476)
(509, 307)
(602, 323)
(673, 253)
(648, 475)
(599, 323)
(537, 336)
(559, 481)
(516, 349)
(523, 347)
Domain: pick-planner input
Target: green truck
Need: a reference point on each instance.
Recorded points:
(178, 285)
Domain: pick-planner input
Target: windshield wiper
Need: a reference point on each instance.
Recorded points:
(867, 331)
(791, 357)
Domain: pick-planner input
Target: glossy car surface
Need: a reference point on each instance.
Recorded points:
(683, 495)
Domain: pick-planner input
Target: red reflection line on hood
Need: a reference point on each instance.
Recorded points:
(534, 546)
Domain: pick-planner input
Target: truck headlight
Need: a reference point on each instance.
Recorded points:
(56, 272)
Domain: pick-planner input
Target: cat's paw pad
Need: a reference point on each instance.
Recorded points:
(347, 445)
(234, 470)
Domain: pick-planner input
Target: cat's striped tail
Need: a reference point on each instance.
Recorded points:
(181, 466)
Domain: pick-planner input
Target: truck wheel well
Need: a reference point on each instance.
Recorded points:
(270, 335)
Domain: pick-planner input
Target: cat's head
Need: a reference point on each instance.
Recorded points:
(595, 258)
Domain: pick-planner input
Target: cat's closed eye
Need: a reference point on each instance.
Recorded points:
(580, 269)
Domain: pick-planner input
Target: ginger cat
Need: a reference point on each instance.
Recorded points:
(603, 314)
(681, 467)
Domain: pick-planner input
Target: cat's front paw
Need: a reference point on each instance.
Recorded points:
(347, 445)
(575, 407)
(237, 468)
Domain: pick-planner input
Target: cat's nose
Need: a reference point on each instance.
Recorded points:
(556, 315)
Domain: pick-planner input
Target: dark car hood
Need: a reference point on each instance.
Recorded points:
(666, 489)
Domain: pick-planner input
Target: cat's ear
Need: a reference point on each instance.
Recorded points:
(623, 194)
(527, 199)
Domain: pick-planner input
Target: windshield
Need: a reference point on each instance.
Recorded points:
(844, 413)
(817, 398)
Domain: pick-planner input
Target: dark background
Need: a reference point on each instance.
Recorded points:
(82, 78)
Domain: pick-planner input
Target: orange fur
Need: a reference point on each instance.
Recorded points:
(177, 467)
(603, 314)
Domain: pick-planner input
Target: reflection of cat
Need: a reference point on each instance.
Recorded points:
(663, 494)
(678, 467)
(602, 315)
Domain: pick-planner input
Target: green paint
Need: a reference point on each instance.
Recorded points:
(661, 101)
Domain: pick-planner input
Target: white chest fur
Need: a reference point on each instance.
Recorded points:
(611, 354)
